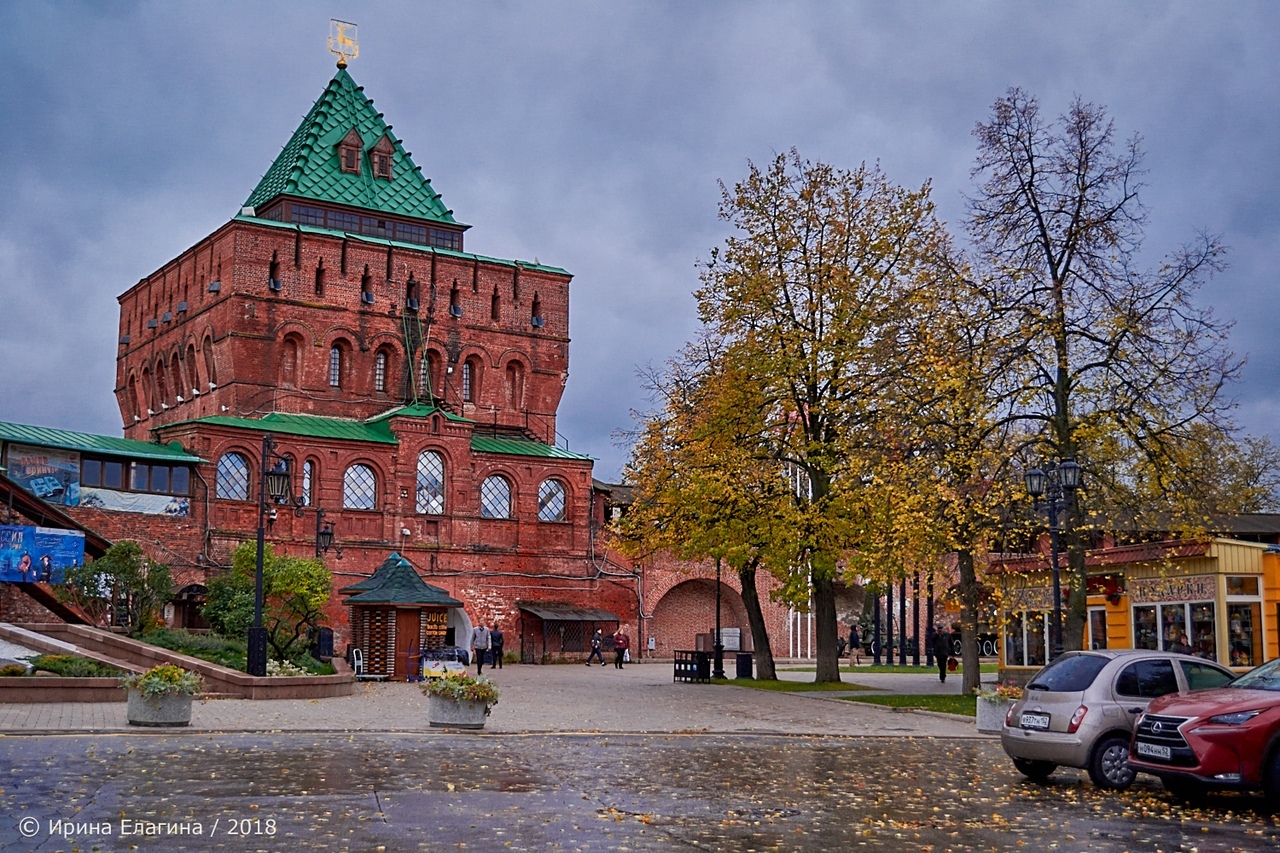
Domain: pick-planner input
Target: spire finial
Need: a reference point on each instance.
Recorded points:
(343, 41)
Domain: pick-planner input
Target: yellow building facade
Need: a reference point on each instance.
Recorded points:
(1217, 598)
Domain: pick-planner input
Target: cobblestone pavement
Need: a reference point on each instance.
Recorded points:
(568, 698)
(435, 791)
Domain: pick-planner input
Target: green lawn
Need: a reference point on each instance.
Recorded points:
(910, 670)
(791, 686)
(947, 703)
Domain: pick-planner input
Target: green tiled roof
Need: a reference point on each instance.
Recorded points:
(515, 446)
(312, 426)
(396, 582)
(308, 166)
(98, 444)
(417, 410)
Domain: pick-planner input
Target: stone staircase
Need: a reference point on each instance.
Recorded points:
(130, 655)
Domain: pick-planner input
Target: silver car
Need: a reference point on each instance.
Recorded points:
(1079, 711)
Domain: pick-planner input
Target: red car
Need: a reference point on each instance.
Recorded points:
(1224, 738)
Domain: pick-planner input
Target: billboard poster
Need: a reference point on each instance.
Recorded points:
(29, 554)
(51, 475)
(141, 502)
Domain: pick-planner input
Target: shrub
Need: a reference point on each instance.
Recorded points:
(10, 670)
(1003, 690)
(163, 680)
(459, 687)
(70, 666)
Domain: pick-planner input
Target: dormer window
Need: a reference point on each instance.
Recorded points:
(349, 152)
(380, 156)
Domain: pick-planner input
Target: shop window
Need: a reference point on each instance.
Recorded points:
(359, 488)
(551, 501)
(1187, 628)
(1244, 632)
(1097, 628)
(1204, 631)
(1025, 635)
(233, 477)
(495, 498)
(430, 486)
(1242, 585)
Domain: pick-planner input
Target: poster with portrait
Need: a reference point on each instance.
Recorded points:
(38, 554)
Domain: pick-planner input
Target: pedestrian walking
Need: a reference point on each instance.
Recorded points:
(942, 650)
(855, 645)
(480, 642)
(496, 641)
(597, 647)
(620, 645)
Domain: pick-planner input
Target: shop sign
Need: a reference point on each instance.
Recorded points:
(1031, 598)
(1154, 590)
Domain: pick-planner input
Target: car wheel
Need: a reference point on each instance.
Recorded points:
(1271, 779)
(1109, 766)
(1036, 771)
(1181, 789)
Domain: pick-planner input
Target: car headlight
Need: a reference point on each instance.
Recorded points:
(1235, 719)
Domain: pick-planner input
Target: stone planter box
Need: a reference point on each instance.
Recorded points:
(447, 713)
(171, 709)
(991, 714)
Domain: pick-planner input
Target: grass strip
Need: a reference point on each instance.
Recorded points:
(892, 668)
(792, 686)
(945, 702)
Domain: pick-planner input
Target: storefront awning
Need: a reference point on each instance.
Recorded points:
(552, 611)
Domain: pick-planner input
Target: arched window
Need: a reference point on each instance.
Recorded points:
(515, 385)
(162, 387)
(233, 477)
(551, 501)
(430, 483)
(210, 368)
(320, 278)
(335, 366)
(359, 488)
(468, 383)
(289, 363)
(177, 378)
(495, 498)
(308, 474)
(194, 368)
(380, 371)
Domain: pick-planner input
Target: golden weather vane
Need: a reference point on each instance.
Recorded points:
(343, 41)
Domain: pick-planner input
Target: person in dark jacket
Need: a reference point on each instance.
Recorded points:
(942, 650)
(496, 641)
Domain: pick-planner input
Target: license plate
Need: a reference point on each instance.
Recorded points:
(1154, 750)
(1035, 721)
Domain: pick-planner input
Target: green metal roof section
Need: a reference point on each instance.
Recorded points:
(308, 167)
(399, 244)
(514, 446)
(310, 426)
(397, 582)
(94, 444)
(418, 410)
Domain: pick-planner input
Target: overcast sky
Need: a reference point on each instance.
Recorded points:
(591, 136)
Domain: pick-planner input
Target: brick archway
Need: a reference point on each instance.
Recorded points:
(689, 609)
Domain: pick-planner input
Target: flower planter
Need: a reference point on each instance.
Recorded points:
(456, 714)
(991, 714)
(169, 709)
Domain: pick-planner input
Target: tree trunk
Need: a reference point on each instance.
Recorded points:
(755, 618)
(969, 601)
(824, 615)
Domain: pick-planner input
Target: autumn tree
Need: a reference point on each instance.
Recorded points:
(700, 491)
(807, 300)
(295, 592)
(122, 587)
(1123, 371)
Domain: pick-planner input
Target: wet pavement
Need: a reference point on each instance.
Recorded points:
(573, 758)
(442, 791)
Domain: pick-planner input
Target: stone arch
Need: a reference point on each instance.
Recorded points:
(689, 609)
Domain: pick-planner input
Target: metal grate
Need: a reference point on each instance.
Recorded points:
(359, 488)
(233, 477)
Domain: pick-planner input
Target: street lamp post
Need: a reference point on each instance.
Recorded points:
(275, 488)
(718, 670)
(1056, 486)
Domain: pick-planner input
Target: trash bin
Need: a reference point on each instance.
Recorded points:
(744, 665)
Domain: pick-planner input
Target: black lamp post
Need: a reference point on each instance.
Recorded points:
(1056, 486)
(717, 670)
(276, 486)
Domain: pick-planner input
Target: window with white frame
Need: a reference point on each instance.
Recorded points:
(1187, 627)
(359, 488)
(430, 487)
(1025, 633)
(335, 367)
(551, 501)
(495, 498)
(380, 372)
